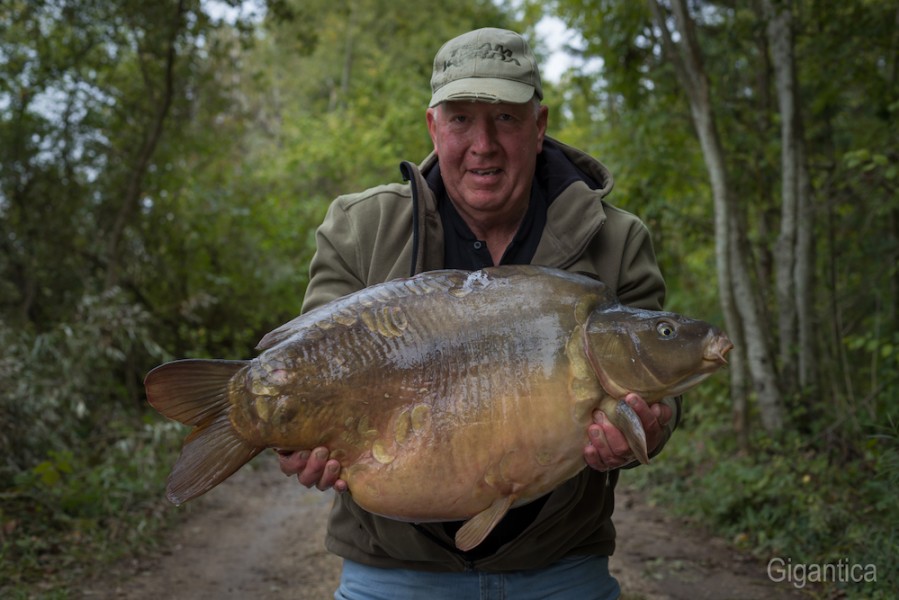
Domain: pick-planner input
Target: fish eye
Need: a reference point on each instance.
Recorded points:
(665, 329)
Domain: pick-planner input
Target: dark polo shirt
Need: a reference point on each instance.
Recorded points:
(462, 250)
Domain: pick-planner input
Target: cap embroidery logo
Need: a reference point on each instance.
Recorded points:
(484, 51)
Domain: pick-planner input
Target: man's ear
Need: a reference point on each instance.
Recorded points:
(542, 121)
(431, 117)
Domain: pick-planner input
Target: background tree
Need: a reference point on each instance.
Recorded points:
(794, 247)
(742, 305)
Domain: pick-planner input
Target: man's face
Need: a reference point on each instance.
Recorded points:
(488, 153)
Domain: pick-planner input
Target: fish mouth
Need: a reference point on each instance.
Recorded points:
(712, 359)
(719, 345)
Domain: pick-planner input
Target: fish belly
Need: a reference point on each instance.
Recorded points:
(453, 466)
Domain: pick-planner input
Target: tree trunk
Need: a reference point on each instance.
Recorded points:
(741, 305)
(780, 45)
(795, 244)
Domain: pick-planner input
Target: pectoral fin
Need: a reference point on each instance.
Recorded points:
(479, 526)
(626, 420)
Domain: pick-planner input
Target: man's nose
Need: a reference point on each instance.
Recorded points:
(484, 138)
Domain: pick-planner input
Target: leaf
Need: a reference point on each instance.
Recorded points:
(48, 473)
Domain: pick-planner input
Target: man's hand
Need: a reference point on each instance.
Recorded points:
(608, 449)
(312, 468)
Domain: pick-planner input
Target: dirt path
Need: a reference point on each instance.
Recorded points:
(659, 557)
(261, 536)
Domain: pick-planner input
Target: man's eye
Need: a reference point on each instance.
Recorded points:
(504, 117)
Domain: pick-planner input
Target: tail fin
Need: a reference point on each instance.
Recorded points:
(195, 392)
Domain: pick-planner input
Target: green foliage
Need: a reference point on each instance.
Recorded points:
(75, 510)
(795, 498)
(54, 385)
(81, 472)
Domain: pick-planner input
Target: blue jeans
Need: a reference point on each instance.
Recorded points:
(581, 577)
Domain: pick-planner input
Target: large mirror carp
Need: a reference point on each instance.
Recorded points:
(451, 395)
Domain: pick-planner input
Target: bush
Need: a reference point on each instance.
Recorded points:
(82, 468)
(790, 498)
(74, 511)
(57, 386)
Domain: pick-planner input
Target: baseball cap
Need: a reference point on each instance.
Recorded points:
(485, 65)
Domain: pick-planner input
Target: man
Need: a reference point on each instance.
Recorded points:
(496, 190)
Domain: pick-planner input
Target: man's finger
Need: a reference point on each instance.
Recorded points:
(315, 466)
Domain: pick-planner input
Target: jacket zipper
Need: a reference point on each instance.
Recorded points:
(408, 171)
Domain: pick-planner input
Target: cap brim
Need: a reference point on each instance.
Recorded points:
(483, 89)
